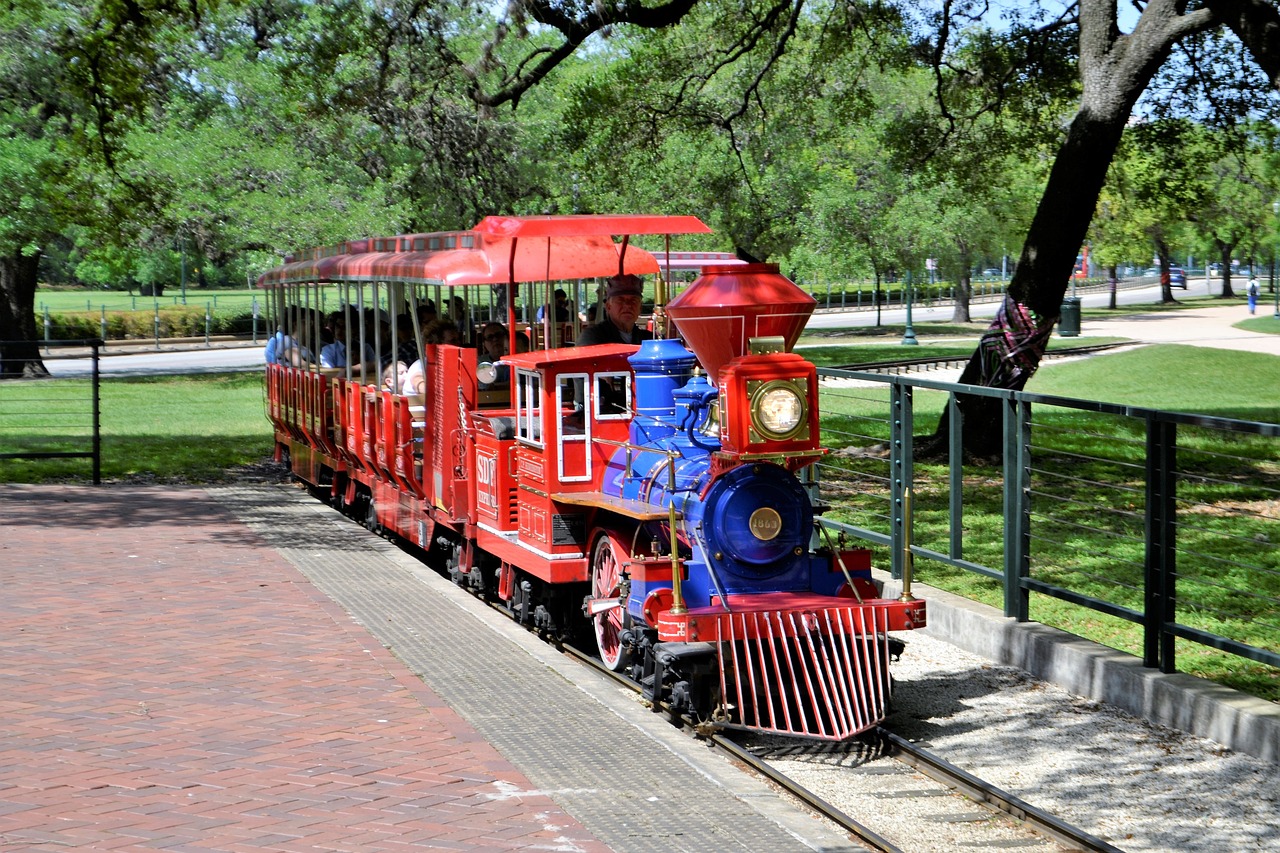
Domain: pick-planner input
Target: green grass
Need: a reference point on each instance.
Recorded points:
(196, 428)
(861, 345)
(1174, 377)
(68, 301)
(1264, 322)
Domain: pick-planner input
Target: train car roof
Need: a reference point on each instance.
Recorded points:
(566, 357)
(590, 224)
(500, 250)
(696, 260)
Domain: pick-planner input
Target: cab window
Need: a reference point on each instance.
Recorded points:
(612, 397)
(529, 407)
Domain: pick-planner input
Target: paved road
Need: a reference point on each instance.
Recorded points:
(170, 359)
(1210, 326)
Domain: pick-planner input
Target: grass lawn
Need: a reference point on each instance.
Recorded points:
(1264, 322)
(1090, 538)
(196, 428)
(65, 301)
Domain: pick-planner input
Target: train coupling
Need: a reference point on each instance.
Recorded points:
(672, 669)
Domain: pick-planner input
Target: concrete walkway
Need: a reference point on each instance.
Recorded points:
(1201, 327)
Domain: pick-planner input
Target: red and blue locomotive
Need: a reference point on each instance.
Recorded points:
(656, 496)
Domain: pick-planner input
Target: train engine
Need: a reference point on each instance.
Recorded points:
(732, 606)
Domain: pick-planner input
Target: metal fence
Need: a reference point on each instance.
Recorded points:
(148, 318)
(46, 419)
(1164, 521)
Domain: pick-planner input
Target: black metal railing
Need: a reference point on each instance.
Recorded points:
(44, 419)
(1164, 520)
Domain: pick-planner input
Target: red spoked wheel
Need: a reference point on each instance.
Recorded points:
(609, 610)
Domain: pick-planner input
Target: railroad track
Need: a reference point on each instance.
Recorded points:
(1005, 821)
(1007, 812)
(911, 365)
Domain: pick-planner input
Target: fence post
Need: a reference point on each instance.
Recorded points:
(157, 325)
(1017, 506)
(1160, 563)
(901, 471)
(103, 324)
(207, 312)
(48, 326)
(97, 414)
(255, 319)
(955, 467)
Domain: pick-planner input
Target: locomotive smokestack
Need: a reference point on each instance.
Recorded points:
(727, 306)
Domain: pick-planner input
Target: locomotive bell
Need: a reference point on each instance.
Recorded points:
(720, 313)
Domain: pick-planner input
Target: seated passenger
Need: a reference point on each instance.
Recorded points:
(562, 311)
(622, 303)
(335, 355)
(393, 377)
(493, 346)
(285, 346)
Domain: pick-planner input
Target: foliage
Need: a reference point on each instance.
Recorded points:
(177, 322)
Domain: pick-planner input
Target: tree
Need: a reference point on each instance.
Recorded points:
(73, 77)
(1115, 70)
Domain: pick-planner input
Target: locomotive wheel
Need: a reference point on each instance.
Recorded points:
(606, 576)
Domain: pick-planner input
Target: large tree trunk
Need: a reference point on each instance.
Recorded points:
(1225, 251)
(19, 343)
(1012, 346)
(1115, 70)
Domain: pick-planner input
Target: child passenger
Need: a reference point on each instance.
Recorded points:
(393, 377)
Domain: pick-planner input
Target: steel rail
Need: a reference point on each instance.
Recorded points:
(812, 800)
(984, 793)
(961, 360)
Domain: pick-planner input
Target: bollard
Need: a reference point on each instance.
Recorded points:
(207, 310)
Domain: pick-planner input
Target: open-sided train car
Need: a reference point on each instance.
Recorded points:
(657, 497)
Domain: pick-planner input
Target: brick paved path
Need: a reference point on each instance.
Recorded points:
(166, 682)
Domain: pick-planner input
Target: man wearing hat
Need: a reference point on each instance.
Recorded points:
(622, 308)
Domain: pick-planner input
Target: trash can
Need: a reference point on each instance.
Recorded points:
(1069, 321)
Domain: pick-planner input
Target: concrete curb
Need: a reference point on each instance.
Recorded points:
(1236, 720)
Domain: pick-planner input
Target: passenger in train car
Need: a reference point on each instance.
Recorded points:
(335, 355)
(493, 341)
(493, 346)
(622, 301)
(563, 309)
(460, 315)
(287, 345)
(441, 332)
(273, 344)
(427, 312)
(394, 376)
(406, 341)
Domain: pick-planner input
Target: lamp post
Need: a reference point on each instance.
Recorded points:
(909, 334)
(1275, 292)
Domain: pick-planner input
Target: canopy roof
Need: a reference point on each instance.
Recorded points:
(499, 250)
